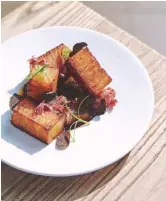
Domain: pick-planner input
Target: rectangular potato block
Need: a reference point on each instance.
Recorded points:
(46, 80)
(45, 126)
(87, 71)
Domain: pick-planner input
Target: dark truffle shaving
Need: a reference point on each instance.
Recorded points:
(47, 97)
(77, 47)
(25, 88)
(14, 100)
(94, 106)
(71, 90)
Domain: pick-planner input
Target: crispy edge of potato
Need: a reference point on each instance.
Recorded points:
(75, 72)
(59, 62)
(27, 125)
(54, 50)
(34, 90)
(33, 128)
(58, 127)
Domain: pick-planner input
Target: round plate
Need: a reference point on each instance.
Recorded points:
(107, 138)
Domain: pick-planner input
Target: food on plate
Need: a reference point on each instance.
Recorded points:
(45, 71)
(70, 88)
(41, 123)
(87, 71)
(64, 90)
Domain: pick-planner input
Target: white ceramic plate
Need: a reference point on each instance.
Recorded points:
(109, 137)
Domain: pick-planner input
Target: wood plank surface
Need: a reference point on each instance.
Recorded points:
(139, 176)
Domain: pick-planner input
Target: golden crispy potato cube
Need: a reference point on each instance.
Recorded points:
(87, 71)
(43, 82)
(45, 126)
(46, 80)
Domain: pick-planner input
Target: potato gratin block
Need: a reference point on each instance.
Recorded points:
(46, 80)
(87, 71)
(45, 126)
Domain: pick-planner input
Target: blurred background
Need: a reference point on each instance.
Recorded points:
(145, 20)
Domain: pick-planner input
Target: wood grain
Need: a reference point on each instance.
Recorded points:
(141, 175)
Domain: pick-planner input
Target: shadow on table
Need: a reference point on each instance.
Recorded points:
(92, 183)
(73, 188)
(61, 188)
(8, 7)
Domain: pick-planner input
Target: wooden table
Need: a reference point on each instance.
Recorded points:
(141, 175)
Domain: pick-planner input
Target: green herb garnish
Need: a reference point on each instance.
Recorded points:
(73, 136)
(78, 120)
(39, 69)
(65, 53)
(81, 104)
(81, 120)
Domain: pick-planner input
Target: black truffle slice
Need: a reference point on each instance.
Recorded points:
(77, 47)
(14, 100)
(49, 96)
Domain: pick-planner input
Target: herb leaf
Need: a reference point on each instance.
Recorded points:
(75, 125)
(65, 53)
(81, 104)
(80, 120)
(38, 70)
